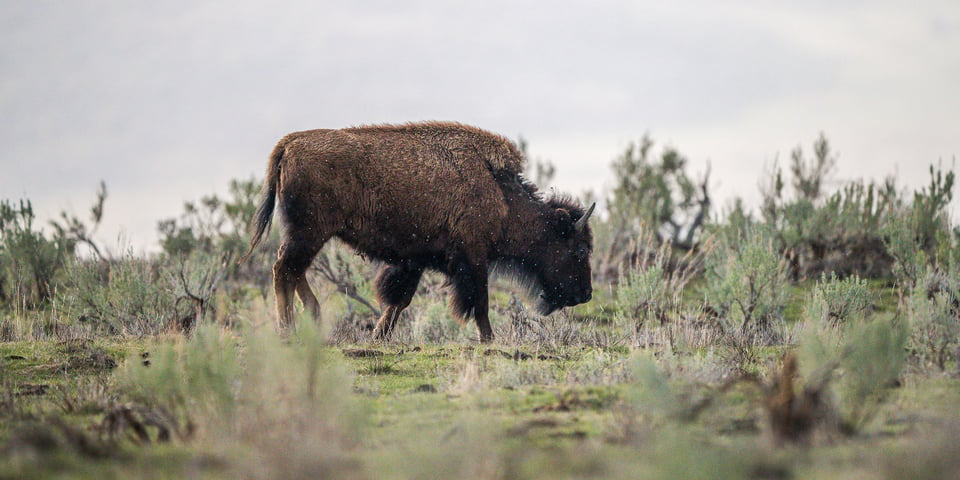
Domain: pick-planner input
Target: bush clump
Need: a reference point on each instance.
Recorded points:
(836, 301)
(747, 286)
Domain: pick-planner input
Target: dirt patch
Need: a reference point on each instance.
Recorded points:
(361, 353)
(576, 435)
(570, 400)
(552, 358)
(517, 355)
(425, 388)
(95, 359)
(75, 346)
(82, 354)
(525, 427)
(53, 436)
(29, 389)
(443, 353)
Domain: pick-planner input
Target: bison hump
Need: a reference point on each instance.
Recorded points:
(499, 153)
(464, 143)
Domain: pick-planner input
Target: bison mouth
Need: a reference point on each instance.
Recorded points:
(547, 304)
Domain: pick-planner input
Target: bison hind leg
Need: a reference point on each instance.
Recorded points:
(289, 276)
(306, 295)
(395, 287)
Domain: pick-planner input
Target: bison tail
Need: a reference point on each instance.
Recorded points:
(268, 199)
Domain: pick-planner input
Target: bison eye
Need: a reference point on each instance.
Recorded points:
(581, 252)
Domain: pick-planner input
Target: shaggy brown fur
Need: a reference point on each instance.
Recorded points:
(436, 195)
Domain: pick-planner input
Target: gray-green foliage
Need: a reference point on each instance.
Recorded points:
(194, 280)
(933, 308)
(916, 233)
(434, 324)
(746, 285)
(857, 209)
(869, 355)
(652, 390)
(909, 258)
(837, 301)
(809, 175)
(873, 357)
(79, 232)
(29, 259)
(671, 405)
(643, 296)
(130, 295)
(656, 193)
(825, 232)
(650, 292)
(212, 224)
(193, 379)
(928, 212)
(350, 273)
(287, 402)
(852, 214)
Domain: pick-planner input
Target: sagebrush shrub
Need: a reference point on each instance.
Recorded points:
(284, 401)
(129, 295)
(644, 294)
(650, 292)
(920, 232)
(872, 360)
(869, 356)
(835, 301)
(933, 309)
(29, 259)
(434, 324)
(746, 285)
(909, 258)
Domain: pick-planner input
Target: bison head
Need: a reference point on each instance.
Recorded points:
(563, 257)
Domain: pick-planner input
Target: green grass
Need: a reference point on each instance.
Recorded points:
(451, 410)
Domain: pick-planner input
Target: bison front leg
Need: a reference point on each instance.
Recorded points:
(470, 296)
(395, 286)
(481, 310)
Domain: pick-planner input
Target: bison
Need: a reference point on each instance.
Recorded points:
(433, 195)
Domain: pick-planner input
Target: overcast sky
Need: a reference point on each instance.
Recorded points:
(167, 101)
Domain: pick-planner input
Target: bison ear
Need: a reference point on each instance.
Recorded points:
(563, 222)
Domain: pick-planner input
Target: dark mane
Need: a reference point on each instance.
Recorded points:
(566, 202)
(517, 270)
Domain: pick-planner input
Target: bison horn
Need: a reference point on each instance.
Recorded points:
(582, 222)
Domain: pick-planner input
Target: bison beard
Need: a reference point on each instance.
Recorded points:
(440, 196)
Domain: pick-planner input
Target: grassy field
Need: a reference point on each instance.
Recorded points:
(817, 341)
(244, 402)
